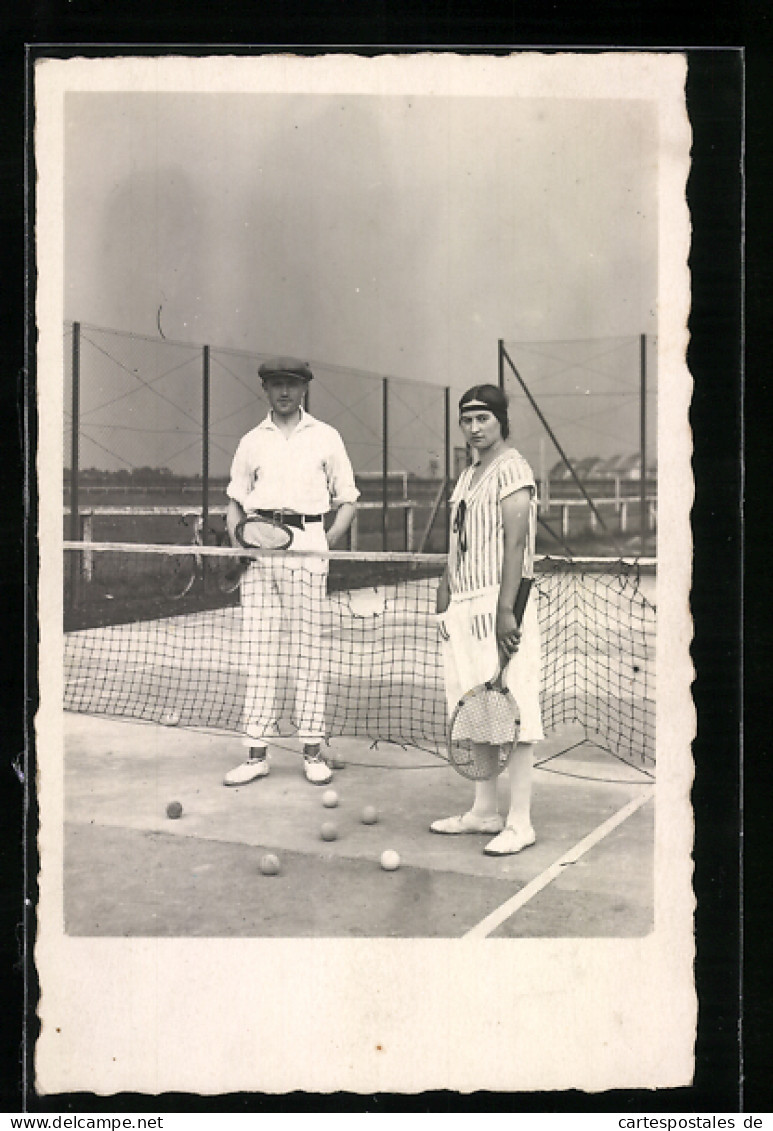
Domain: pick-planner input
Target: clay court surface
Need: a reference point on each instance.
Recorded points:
(129, 870)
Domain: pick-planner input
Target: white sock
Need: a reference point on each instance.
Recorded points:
(520, 773)
(485, 803)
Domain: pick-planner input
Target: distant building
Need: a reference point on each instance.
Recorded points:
(610, 466)
(593, 467)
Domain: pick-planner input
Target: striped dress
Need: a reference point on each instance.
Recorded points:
(468, 625)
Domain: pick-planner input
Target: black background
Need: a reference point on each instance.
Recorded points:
(732, 1074)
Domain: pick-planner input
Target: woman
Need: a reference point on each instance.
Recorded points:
(494, 515)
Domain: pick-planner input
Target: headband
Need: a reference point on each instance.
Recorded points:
(477, 404)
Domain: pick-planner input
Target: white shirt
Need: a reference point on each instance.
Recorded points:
(307, 471)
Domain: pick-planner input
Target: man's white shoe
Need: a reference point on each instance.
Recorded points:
(316, 769)
(247, 771)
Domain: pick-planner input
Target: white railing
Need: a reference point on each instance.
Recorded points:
(88, 514)
(620, 504)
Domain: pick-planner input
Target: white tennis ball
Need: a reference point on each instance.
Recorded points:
(330, 799)
(390, 860)
(170, 718)
(369, 815)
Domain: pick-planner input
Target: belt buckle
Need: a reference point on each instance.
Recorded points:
(278, 516)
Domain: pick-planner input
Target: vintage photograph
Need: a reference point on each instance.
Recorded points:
(367, 469)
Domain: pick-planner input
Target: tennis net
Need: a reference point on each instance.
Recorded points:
(346, 644)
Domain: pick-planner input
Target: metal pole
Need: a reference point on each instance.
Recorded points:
(560, 450)
(643, 441)
(543, 477)
(385, 464)
(446, 463)
(74, 450)
(205, 441)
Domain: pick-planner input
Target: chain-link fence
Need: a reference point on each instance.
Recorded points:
(151, 427)
(584, 413)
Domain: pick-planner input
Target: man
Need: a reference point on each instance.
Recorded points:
(294, 468)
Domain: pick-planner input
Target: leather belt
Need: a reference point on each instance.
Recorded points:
(290, 519)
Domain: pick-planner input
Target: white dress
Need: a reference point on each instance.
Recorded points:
(467, 627)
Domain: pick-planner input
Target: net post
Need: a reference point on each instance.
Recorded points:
(75, 435)
(205, 457)
(88, 536)
(446, 462)
(385, 463)
(205, 437)
(643, 441)
(544, 479)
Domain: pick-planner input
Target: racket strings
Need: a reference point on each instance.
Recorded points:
(484, 720)
(476, 762)
(488, 716)
(262, 534)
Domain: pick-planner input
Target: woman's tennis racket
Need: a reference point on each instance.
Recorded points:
(488, 714)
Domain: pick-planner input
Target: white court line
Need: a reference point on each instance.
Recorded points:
(497, 918)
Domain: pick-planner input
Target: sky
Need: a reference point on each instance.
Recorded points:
(401, 235)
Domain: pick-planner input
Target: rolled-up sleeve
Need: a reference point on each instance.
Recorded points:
(240, 483)
(340, 475)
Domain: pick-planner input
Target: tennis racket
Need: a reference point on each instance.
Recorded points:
(256, 533)
(487, 714)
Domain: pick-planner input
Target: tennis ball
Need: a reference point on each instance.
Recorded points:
(330, 799)
(174, 810)
(170, 719)
(329, 831)
(369, 815)
(390, 861)
(269, 864)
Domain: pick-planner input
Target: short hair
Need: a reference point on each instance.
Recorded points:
(493, 398)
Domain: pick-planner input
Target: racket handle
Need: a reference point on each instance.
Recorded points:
(521, 597)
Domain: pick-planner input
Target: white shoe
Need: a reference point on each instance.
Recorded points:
(510, 841)
(467, 823)
(316, 768)
(251, 770)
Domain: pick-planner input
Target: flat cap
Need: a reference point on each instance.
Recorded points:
(285, 367)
